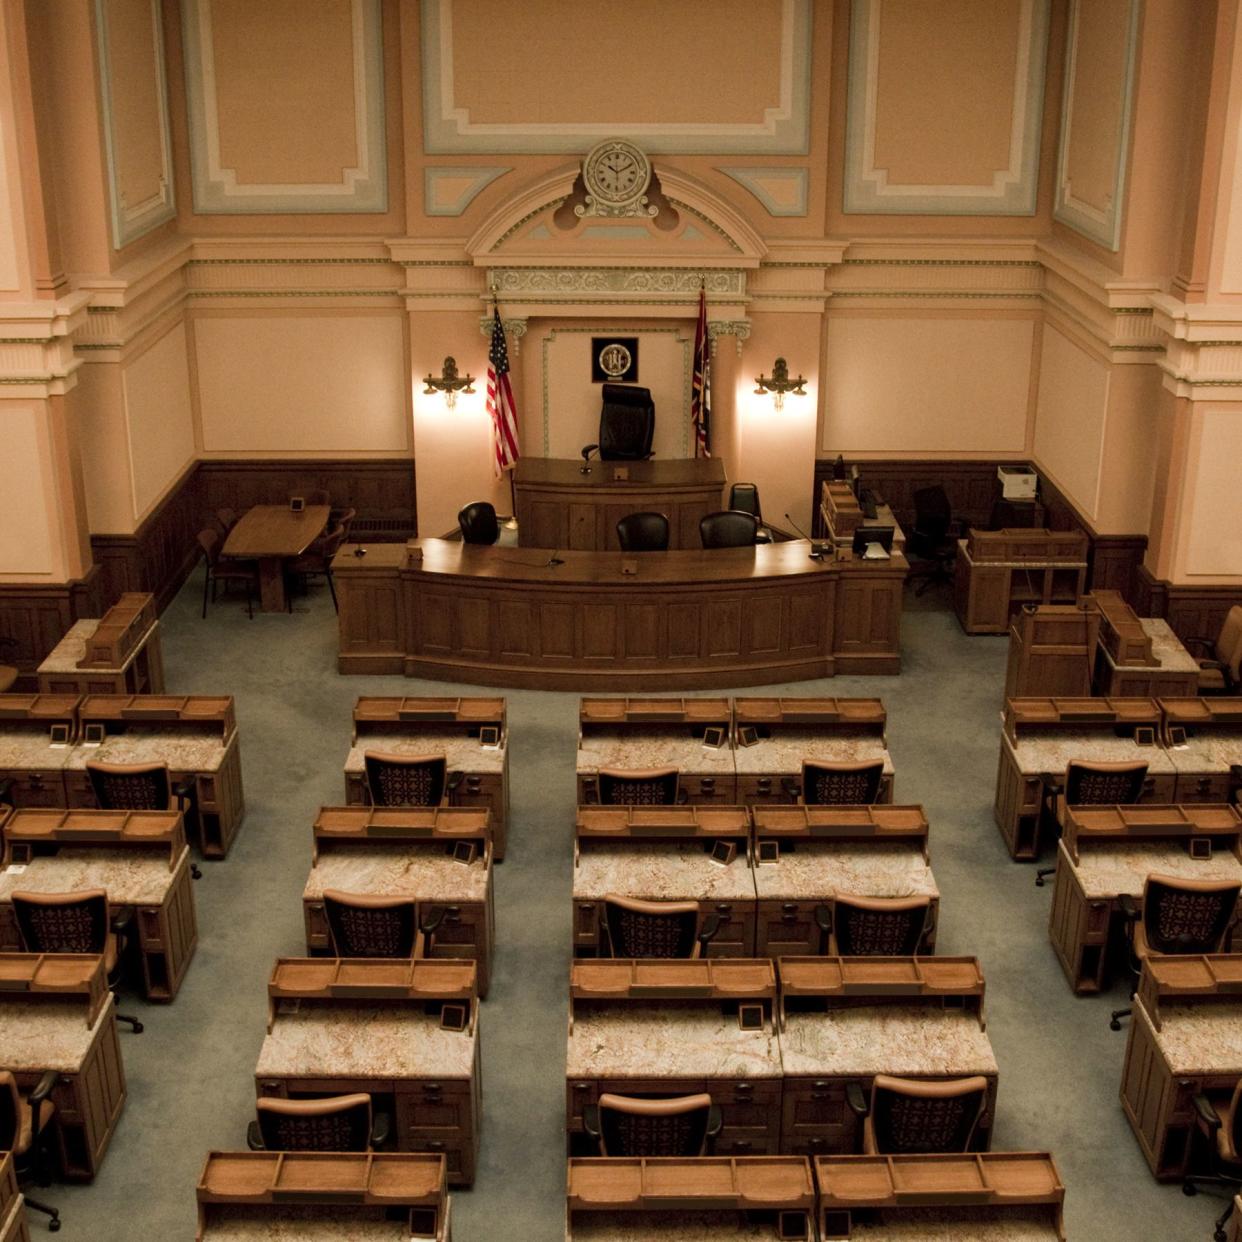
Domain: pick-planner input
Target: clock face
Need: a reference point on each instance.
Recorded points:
(616, 172)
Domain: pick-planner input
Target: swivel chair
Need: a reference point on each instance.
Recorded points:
(145, 787)
(1218, 1119)
(364, 925)
(1088, 784)
(932, 538)
(643, 532)
(1220, 667)
(408, 780)
(744, 498)
(728, 528)
(335, 1123)
(639, 787)
(478, 523)
(873, 926)
(683, 1126)
(24, 1118)
(626, 424)
(657, 928)
(837, 784)
(906, 1115)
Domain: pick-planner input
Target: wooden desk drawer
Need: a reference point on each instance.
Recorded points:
(78, 791)
(787, 927)
(1203, 787)
(587, 929)
(436, 1109)
(458, 1155)
(706, 790)
(37, 788)
(356, 790)
(736, 937)
(763, 789)
(815, 1118)
(302, 1088)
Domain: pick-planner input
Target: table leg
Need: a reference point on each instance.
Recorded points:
(272, 583)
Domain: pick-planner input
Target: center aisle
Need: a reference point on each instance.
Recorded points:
(191, 1074)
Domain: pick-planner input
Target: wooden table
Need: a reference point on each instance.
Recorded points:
(558, 506)
(272, 534)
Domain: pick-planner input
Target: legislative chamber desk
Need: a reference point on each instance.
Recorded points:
(338, 1026)
(845, 1020)
(118, 653)
(1106, 853)
(1185, 1038)
(1203, 737)
(665, 853)
(691, 1199)
(669, 1028)
(139, 858)
(558, 506)
(440, 859)
(1010, 1196)
(813, 854)
(566, 620)
(450, 727)
(12, 1214)
(310, 1196)
(56, 1014)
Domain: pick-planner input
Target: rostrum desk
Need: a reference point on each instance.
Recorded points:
(338, 1026)
(56, 1013)
(12, 1214)
(406, 852)
(304, 1196)
(997, 571)
(139, 858)
(603, 621)
(1185, 1037)
(831, 851)
(1106, 853)
(559, 506)
(118, 653)
(664, 853)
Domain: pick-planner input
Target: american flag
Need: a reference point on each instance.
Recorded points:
(500, 400)
(700, 388)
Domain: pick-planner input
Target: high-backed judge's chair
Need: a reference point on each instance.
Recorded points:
(728, 528)
(643, 532)
(408, 780)
(478, 523)
(626, 424)
(905, 1115)
(685, 1125)
(657, 928)
(335, 1123)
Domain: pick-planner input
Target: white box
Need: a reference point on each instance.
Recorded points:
(1017, 482)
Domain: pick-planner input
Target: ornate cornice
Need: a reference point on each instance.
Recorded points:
(36, 345)
(514, 329)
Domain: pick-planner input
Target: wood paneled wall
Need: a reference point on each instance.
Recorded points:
(1192, 611)
(35, 617)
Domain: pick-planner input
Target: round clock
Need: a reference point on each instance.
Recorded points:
(616, 172)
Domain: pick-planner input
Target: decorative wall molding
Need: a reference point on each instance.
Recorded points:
(1102, 226)
(37, 357)
(1012, 190)
(574, 280)
(784, 130)
(782, 191)
(363, 187)
(514, 330)
(132, 220)
(739, 329)
(448, 189)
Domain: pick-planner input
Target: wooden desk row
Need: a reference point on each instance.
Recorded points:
(46, 742)
(12, 1213)
(784, 862)
(118, 653)
(1192, 748)
(762, 743)
(813, 1027)
(471, 733)
(987, 1197)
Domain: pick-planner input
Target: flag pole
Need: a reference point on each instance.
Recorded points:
(511, 524)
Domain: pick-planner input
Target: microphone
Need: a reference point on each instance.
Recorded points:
(818, 546)
(585, 468)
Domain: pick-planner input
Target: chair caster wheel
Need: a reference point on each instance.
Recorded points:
(1113, 1024)
(53, 1226)
(195, 872)
(1189, 1191)
(138, 1028)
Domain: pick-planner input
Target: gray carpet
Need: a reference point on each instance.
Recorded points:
(190, 1074)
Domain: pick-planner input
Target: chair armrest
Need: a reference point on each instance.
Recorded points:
(792, 787)
(590, 1120)
(1208, 644)
(1130, 911)
(452, 781)
(254, 1140)
(432, 921)
(1051, 784)
(856, 1100)
(121, 919)
(588, 449)
(1206, 1115)
(823, 918)
(6, 790)
(381, 1127)
(184, 791)
(762, 536)
(43, 1088)
(683, 797)
(715, 1121)
(709, 928)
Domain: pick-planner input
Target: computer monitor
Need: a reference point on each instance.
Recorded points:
(873, 542)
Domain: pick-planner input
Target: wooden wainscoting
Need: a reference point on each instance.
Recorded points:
(1192, 611)
(36, 617)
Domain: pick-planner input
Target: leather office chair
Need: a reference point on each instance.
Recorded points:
(643, 532)
(657, 928)
(363, 925)
(906, 1115)
(744, 498)
(317, 559)
(626, 424)
(639, 787)
(685, 1125)
(1176, 916)
(728, 529)
(342, 517)
(335, 1123)
(1220, 672)
(1219, 1121)
(837, 784)
(873, 926)
(80, 922)
(8, 672)
(932, 538)
(227, 570)
(23, 1121)
(478, 523)
(143, 787)
(408, 780)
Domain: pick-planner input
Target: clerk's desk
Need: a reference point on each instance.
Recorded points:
(408, 852)
(789, 730)
(1106, 853)
(139, 858)
(558, 505)
(822, 852)
(664, 853)
(56, 1013)
(368, 1025)
(12, 1213)
(300, 1196)
(845, 1020)
(432, 726)
(195, 735)
(695, 1199)
(669, 1028)
(1203, 737)
(598, 621)
(1185, 1038)
(1011, 1196)
(1040, 736)
(658, 733)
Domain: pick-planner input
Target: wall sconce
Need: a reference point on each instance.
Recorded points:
(780, 384)
(449, 383)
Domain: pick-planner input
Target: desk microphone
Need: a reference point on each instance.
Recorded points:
(818, 546)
